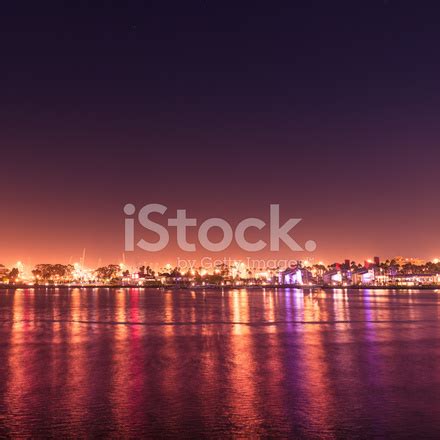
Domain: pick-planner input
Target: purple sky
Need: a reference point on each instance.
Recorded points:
(329, 109)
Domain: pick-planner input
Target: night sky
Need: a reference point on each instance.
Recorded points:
(330, 109)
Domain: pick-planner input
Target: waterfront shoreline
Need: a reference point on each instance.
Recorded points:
(214, 287)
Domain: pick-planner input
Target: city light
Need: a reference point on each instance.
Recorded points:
(396, 272)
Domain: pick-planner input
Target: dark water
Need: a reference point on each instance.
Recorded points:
(275, 363)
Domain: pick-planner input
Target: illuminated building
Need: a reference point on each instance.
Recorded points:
(332, 277)
(292, 275)
(402, 261)
(363, 276)
(415, 279)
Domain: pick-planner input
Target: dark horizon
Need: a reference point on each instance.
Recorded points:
(330, 110)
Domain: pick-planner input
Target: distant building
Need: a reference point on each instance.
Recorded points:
(415, 279)
(402, 261)
(363, 276)
(295, 275)
(332, 277)
(292, 275)
(377, 261)
(3, 271)
(149, 279)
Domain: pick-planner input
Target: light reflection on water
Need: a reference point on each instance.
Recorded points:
(257, 363)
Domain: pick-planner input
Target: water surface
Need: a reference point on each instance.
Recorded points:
(240, 363)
